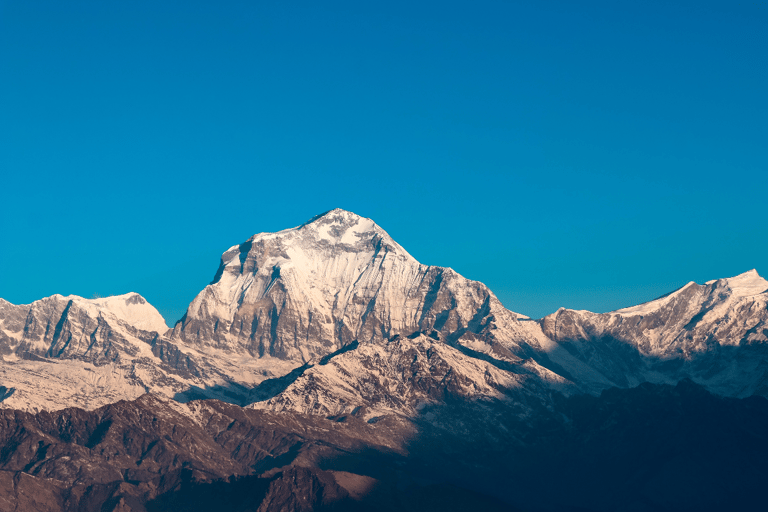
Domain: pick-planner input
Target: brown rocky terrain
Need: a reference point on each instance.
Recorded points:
(649, 448)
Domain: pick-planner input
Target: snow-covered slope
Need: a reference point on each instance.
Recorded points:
(715, 334)
(98, 330)
(305, 292)
(132, 309)
(406, 374)
(69, 351)
(334, 315)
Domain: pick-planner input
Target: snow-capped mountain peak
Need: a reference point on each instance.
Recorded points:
(339, 288)
(744, 285)
(341, 226)
(653, 305)
(130, 307)
(331, 268)
(309, 244)
(300, 294)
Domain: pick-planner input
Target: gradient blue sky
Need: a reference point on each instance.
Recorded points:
(590, 155)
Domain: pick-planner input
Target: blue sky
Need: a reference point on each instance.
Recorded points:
(589, 155)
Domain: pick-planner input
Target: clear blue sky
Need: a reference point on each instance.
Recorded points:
(590, 155)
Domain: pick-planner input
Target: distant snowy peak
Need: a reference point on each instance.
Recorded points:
(703, 332)
(744, 285)
(131, 308)
(704, 302)
(748, 284)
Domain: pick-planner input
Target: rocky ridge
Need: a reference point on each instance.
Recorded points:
(334, 316)
(69, 351)
(372, 382)
(715, 334)
(650, 448)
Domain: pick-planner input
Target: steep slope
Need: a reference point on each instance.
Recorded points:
(326, 317)
(61, 351)
(407, 374)
(651, 448)
(716, 334)
(68, 351)
(303, 293)
(91, 329)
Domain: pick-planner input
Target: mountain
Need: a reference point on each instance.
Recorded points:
(73, 352)
(61, 351)
(651, 448)
(334, 315)
(306, 292)
(715, 334)
(324, 368)
(75, 326)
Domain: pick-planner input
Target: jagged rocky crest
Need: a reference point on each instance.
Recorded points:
(325, 317)
(364, 380)
(303, 293)
(716, 334)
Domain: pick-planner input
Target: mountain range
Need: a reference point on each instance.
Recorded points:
(325, 362)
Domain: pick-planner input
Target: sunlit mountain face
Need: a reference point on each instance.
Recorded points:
(324, 368)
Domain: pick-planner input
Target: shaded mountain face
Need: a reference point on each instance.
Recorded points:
(155, 454)
(655, 447)
(716, 334)
(649, 448)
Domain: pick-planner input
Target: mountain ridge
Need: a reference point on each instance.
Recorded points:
(286, 308)
(324, 368)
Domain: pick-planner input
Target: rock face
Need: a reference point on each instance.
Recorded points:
(715, 334)
(369, 381)
(94, 330)
(335, 316)
(306, 292)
